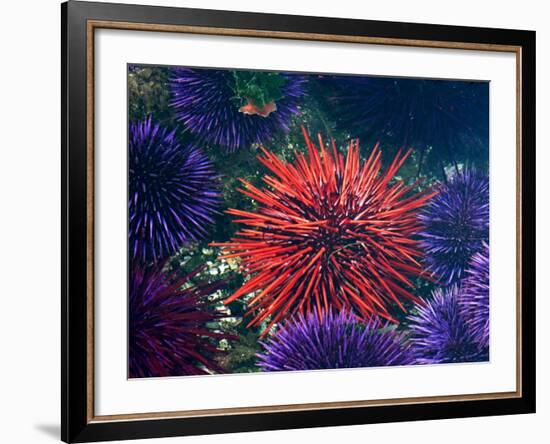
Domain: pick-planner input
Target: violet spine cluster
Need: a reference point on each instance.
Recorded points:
(204, 103)
(456, 223)
(439, 333)
(331, 341)
(173, 193)
(474, 300)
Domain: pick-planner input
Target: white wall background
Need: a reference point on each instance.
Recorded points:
(30, 207)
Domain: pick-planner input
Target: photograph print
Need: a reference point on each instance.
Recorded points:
(285, 221)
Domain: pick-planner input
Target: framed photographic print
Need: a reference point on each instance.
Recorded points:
(279, 221)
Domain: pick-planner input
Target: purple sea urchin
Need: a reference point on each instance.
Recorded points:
(474, 301)
(168, 325)
(412, 112)
(439, 332)
(204, 103)
(172, 193)
(456, 223)
(331, 341)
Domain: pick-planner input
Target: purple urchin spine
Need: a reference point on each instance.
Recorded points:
(440, 334)
(203, 101)
(474, 299)
(169, 322)
(173, 193)
(455, 225)
(332, 341)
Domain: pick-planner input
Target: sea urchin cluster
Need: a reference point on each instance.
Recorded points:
(172, 193)
(332, 341)
(330, 232)
(169, 333)
(456, 223)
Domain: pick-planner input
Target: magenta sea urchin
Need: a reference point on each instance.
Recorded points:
(169, 325)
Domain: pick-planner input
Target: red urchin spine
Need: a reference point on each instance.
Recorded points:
(328, 232)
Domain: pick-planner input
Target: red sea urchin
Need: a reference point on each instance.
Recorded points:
(329, 231)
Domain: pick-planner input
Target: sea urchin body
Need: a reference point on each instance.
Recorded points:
(168, 325)
(172, 193)
(456, 223)
(448, 115)
(329, 232)
(474, 301)
(439, 332)
(204, 102)
(332, 341)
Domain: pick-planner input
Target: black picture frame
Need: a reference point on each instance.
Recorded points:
(77, 425)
